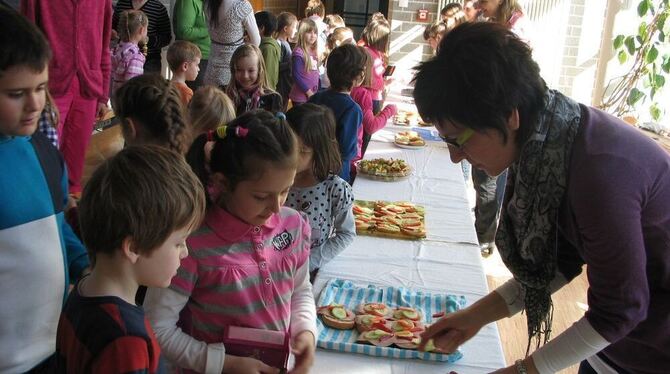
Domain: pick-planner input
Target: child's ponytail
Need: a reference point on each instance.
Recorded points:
(244, 148)
(156, 110)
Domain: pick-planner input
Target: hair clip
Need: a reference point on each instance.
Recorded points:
(281, 115)
(223, 131)
(241, 132)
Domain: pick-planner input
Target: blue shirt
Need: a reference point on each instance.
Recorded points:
(348, 118)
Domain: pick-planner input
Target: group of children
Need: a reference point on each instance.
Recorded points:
(261, 200)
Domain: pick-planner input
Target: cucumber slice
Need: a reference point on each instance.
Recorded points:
(339, 313)
(411, 314)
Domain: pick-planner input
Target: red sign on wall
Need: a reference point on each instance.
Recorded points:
(422, 15)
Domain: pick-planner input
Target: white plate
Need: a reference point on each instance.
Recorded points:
(407, 146)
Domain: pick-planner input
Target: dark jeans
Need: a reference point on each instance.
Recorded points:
(194, 85)
(489, 193)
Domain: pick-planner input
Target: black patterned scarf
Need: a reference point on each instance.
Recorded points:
(536, 184)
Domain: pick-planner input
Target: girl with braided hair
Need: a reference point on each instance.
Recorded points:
(248, 263)
(151, 111)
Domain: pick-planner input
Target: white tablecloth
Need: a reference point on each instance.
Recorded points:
(447, 261)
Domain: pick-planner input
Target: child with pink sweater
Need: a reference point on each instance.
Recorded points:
(363, 96)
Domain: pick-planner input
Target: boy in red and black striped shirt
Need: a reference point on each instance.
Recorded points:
(135, 213)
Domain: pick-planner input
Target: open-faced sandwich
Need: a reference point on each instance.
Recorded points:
(337, 316)
(368, 322)
(375, 309)
(409, 138)
(408, 313)
(378, 337)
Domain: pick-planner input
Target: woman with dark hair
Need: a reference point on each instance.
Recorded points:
(583, 188)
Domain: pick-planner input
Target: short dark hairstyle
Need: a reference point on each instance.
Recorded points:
(345, 64)
(315, 125)
(181, 51)
(144, 193)
(481, 73)
(267, 21)
(22, 43)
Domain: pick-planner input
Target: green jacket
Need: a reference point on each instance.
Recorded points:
(189, 24)
(271, 55)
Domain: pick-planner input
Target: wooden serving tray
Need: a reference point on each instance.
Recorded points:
(369, 223)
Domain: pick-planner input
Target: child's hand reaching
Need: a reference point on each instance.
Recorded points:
(246, 365)
(303, 349)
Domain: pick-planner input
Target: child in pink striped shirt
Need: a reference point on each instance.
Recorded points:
(128, 59)
(248, 264)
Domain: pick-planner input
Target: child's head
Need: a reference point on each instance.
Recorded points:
(333, 21)
(450, 10)
(433, 34)
(133, 24)
(141, 204)
(151, 112)
(251, 166)
(314, 125)
(183, 57)
(307, 36)
(209, 108)
(338, 36)
(315, 8)
(23, 74)
(266, 22)
(247, 68)
(376, 33)
(346, 66)
(286, 24)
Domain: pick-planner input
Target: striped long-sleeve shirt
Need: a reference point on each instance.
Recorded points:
(127, 62)
(235, 274)
(104, 334)
(159, 30)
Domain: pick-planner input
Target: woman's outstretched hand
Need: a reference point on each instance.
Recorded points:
(452, 330)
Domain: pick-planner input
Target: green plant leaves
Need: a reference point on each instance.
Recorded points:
(642, 8)
(652, 53)
(622, 56)
(629, 42)
(618, 41)
(635, 96)
(655, 112)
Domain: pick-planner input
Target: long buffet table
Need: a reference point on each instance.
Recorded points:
(447, 261)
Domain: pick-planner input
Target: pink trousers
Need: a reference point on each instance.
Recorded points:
(77, 117)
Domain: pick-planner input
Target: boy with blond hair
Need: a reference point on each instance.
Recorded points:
(183, 57)
(136, 212)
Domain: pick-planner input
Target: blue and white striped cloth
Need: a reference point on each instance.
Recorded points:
(351, 295)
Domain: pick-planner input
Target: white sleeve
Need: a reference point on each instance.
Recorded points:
(162, 307)
(252, 29)
(579, 342)
(303, 309)
(512, 292)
